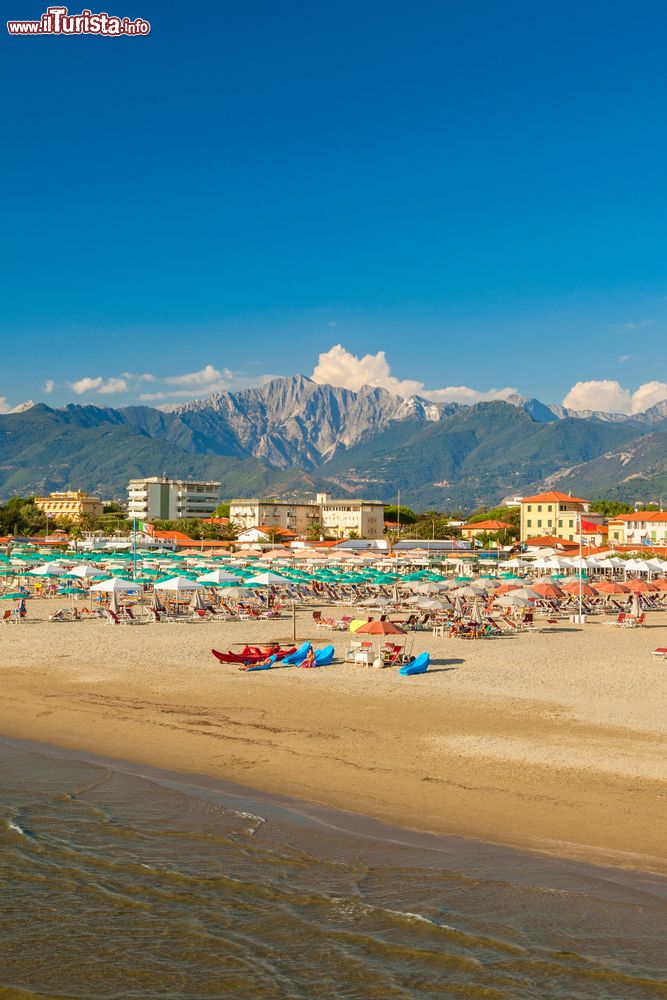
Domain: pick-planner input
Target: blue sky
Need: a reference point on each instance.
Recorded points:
(254, 183)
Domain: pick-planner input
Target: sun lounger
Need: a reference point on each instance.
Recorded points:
(296, 657)
(323, 657)
(418, 666)
(261, 665)
(660, 652)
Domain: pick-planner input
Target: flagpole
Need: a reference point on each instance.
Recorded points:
(580, 569)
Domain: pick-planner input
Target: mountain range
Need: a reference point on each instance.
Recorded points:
(294, 436)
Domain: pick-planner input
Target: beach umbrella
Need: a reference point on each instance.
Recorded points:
(178, 584)
(73, 591)
(466, 592)
(379, 628)
(513, 600)
(48, 569)
(572, 587)
(611, 587)
(268, 580)
(218, 576)
(476, 614)
(16, 595)
(114, 586)
(547, 590)
(84, 572)
(506, 588)
(640, 586)
(660, 583)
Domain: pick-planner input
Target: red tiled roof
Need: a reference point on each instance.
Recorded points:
(642, 515)
(215, 520)
(554, 497)
(542, 541)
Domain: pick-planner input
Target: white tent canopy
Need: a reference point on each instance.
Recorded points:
(115, 586)
(85, 571)
(178, 584)
(48, 569)
(268, 580)
(218, 576)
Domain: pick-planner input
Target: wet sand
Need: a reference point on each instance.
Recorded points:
(552, 741)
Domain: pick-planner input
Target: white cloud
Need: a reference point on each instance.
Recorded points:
(136, 377)
(48, 386)
(228, 381)
(205, 376)
(104, 387)
(6, 407)
(113, 385)
(637, 325)
(339, 366)
(622, 358)
(610, 396)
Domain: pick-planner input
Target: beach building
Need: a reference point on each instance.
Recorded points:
(71, 505)
(484, 528)
(551, 513)
(642, 527)
(158, 496)
(337, 518)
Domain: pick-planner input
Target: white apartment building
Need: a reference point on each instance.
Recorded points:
(336, 518)
(158, 496)
(643, 527)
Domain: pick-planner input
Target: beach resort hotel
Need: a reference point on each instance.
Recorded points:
(334, 518)
(553, 514)
(160, 497)
(70, 505)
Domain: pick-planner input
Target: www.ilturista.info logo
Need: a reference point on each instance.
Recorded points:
(58, 21)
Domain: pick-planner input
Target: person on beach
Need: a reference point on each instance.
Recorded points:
(310, 659)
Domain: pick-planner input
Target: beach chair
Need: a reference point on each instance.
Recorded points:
(637, 622)
(260, 666)
(128, 617)
(6, 618)
(62, 615)
(622, 616)
(418, 666)
(111, 617)
(660, 652)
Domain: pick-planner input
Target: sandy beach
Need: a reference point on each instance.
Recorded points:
(553, 741)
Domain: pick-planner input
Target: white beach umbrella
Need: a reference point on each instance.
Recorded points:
(178, 585)
(512, 600)
(268, 580)
(526, 593)
(115, 586)
(48, 569)
(85, 571)
(218, 576)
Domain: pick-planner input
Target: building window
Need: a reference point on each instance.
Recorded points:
(539, 524)
(529, 524)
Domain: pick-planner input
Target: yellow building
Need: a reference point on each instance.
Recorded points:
(334, 518)
(553, 514)
(69, 506)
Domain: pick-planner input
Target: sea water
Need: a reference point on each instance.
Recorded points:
(116, 884)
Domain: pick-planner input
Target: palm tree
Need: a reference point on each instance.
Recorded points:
(76, 532)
